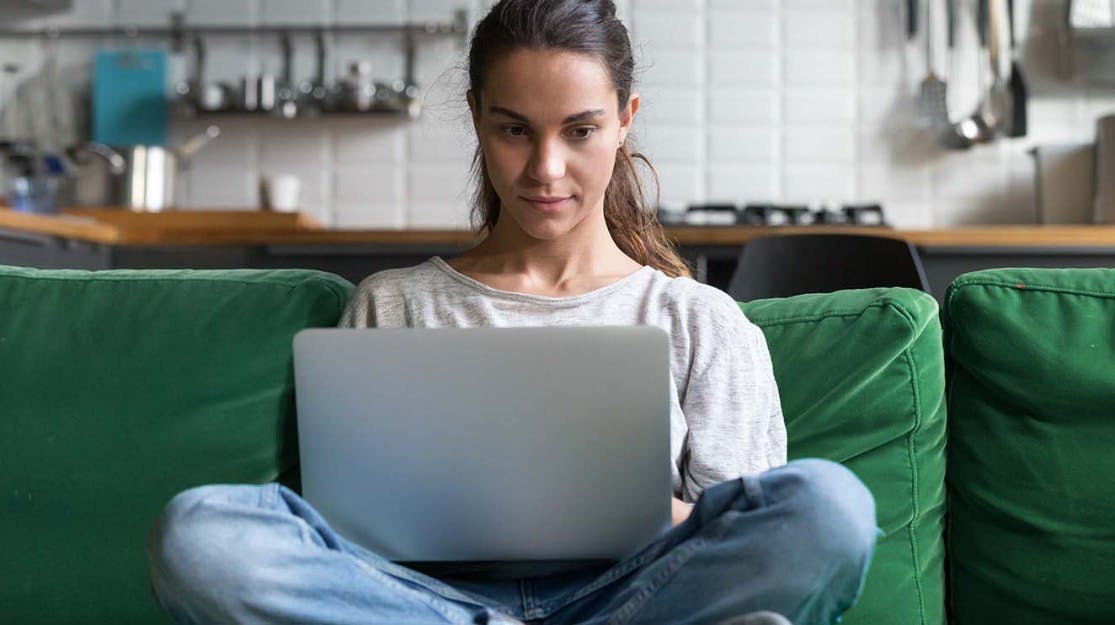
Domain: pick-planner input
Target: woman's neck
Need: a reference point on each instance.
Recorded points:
(511, 260)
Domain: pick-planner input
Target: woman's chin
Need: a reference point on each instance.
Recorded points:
(547, 234)
(546, 231)
(542, 226)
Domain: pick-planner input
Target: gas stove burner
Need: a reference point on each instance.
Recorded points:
(799, 215)
(783, 215)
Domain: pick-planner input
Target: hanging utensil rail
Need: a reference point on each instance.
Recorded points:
(179, 31)
(181, 34)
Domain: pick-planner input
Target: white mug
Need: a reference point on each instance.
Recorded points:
(280, 192)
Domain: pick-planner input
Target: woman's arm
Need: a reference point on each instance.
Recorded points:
(731, 402)
(681, 510)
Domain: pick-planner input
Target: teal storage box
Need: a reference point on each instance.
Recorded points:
(861, 377)
(119, 389)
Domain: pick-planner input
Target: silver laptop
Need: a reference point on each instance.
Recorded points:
(487, 444)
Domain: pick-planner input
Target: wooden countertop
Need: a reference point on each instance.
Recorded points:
(195, 227)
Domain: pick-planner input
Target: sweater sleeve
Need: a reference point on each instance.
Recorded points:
(359, 312)
(731, 404)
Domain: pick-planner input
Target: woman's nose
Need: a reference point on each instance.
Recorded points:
(547, 162)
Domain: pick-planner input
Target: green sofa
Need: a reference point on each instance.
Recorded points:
(120, 388)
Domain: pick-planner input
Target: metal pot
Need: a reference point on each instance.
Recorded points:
(82, 159)
(146, 180)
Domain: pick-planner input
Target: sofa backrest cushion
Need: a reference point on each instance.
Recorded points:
(117, 390)
(861, 377)
(1031, 446)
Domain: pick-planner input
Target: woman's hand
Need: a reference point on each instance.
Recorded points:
(680, 510)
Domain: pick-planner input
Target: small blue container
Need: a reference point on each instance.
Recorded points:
(33, 194)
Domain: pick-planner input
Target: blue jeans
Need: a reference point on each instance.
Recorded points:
(795, 540)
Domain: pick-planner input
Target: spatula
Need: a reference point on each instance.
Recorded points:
(933, 94)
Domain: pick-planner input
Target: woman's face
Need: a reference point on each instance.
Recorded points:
(549, 129)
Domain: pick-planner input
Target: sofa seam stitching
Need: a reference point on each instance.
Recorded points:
(912, 457)
(90, 276)
(1036, 288)
(911, 450)
(825, 315)
(332, 287)
(183, 279)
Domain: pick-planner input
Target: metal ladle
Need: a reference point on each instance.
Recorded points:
(979, 127)
(950, 137)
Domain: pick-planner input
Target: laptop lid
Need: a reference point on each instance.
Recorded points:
(487, 444)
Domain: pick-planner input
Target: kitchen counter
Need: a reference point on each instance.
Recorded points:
(187, 228)
(106, 238)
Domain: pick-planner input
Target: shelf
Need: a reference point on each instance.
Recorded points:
(179, 32)
(317, 114)
(179, 29)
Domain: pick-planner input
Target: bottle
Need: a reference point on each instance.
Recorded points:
(360, 88)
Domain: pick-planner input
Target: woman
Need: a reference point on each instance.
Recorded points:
(570, 241)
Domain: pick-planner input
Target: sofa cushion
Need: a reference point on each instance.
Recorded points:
(861, 377)
(1031, 440)
(119, 389)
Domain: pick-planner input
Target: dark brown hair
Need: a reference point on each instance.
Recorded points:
(588, 27)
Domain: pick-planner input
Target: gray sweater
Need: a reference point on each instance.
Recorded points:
(725, 416)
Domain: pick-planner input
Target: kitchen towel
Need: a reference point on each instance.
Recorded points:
(129, 97)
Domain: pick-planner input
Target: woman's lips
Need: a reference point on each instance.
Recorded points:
(547, 205)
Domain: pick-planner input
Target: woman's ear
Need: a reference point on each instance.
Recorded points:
(627, 116)
(472, 109)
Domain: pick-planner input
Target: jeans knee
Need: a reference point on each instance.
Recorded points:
(835, 508)
(193, 542)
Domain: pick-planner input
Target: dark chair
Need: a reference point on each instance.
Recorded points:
(792, 264)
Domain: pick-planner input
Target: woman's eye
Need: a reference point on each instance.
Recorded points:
(514, 131)
(584, 132)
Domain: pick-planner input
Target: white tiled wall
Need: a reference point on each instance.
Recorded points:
(743, 100)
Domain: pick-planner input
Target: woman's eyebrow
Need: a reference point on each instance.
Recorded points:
(576, 117)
